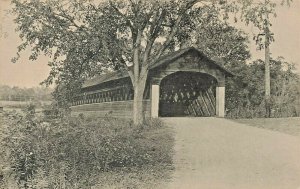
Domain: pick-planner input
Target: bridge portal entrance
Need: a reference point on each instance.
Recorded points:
(187, 94)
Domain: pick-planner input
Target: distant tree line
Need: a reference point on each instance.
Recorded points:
(8, 93)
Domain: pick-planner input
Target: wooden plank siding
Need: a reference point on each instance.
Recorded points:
(112, 109)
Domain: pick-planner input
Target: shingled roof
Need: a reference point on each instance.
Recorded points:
(161, 61)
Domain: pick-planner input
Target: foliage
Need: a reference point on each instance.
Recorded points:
(245, 92)
(218, 39)
(71, 153)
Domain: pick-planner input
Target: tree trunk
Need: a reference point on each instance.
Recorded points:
(138, 113)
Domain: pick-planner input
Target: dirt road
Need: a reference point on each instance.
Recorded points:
(215, 153)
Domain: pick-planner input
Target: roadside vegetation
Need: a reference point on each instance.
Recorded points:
(81, 152)
(245, 91)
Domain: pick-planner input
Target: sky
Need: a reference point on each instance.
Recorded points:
(26, 73)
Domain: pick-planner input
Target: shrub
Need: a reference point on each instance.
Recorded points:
(71, 152)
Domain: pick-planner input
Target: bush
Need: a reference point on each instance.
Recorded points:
(71, 152)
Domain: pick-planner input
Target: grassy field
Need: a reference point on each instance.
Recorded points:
(289, 126)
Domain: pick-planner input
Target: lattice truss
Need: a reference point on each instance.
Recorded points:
(121, 93)
(117, 94)
(188, 94)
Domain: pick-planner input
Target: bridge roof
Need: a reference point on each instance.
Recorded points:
(167, 59)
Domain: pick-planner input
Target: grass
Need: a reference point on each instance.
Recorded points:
(134, 178)
(146, 176)
(142, 177)
(289, 126)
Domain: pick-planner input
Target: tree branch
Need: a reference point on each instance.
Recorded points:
(167, 25)
(71, 20)
(154, 30)
(129, 70)
(175, 28)
(158, 23)
(128, 21)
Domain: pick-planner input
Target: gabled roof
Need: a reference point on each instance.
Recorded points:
(105, 78)
(174, 55)
(160, 62)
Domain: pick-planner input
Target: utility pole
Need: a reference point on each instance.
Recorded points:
(267, 65)
(267, 73)
(266, 45)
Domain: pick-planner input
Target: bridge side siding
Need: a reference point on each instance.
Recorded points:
(113, 109)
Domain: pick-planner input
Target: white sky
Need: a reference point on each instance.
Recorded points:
(25, 73)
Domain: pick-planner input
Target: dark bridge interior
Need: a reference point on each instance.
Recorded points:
(187, 94)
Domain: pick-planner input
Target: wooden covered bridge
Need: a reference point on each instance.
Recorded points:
(183, 83)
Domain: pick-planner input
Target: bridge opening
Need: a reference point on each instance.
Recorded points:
(188, 94)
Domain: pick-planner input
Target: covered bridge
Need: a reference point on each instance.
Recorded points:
(182, 83)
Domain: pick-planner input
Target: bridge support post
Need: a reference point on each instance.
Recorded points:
(155, 98)
(220, 101)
